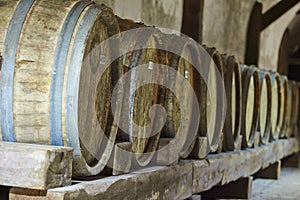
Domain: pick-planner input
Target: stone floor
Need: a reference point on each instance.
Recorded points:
(287, 187)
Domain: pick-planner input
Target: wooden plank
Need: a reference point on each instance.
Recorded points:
(240, 189)
(271, 172)
(277, 11)
(174, 182)
(226, 167)
(35, 166)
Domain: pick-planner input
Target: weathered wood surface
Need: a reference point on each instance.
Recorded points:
(183, 179)
(227, 167)
(35, 166)
(154, 183)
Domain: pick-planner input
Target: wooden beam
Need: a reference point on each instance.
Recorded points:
(277, 11)
(192, 19)
(35, 166)
(183, 179)
(253, 35)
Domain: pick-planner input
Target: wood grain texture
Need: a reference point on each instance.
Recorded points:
(34, 69)
(35, 166)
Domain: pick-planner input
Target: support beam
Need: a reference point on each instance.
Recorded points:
(253, 35)
(192, 19)
(277, 11)
(240, 189)
(271, 172)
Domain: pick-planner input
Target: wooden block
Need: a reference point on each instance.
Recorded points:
(27, 194)
(167, 153)
(292, 161)
(201, 148)
(271, 172)
(239, 143)
(256, 140)
(240, 189)
(35, 166)
(120, 160)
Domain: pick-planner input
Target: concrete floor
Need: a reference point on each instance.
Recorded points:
(287, 187)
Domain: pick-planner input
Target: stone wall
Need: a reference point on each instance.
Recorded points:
(160, 13)
(225, 23)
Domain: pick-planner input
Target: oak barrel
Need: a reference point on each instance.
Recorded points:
(265, 106)
(215, 111)
(51, 91)
(140, 46)
(233, 86)
(250, 104)
(294, 108)
(284, 106)
(276, 105)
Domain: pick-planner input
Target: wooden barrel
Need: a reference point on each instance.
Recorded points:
(178, 107)
(233, 86)
(51, 91)
(135, 109)
(265, 104)
(284, 107)
(215, 111)
(250, 105)
(294, 108)
(275, 106)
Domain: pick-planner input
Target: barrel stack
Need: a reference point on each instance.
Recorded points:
(59, 78)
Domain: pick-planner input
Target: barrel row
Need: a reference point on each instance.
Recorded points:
(74, 74)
